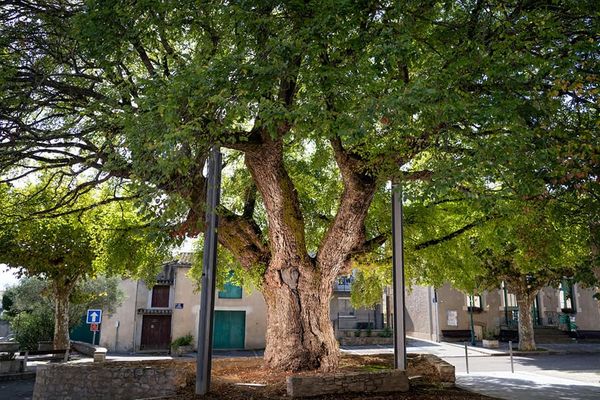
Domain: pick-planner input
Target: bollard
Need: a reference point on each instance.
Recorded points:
(512, 367)
(467, 357)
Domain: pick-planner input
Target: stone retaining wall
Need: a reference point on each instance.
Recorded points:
(365, 340)
(113, 380)
(445, 370)
(352, 382)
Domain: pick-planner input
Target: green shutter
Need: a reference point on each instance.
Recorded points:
(230, 291)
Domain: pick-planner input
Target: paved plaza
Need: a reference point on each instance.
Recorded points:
(569, 372)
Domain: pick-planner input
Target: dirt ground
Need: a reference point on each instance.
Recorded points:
(248, 378)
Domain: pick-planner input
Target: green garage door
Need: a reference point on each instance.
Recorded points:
(229, 329)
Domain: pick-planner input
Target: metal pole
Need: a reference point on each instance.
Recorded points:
(398, 273)
(94, 338)
(472, 324)
(467, 357)
(505, 303)
(512, 366)
(209, 269)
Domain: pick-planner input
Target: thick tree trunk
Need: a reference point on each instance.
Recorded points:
(61, 317)
(526, 334)
(299, 332)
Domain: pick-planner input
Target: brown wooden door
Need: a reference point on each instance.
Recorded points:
(156, 332)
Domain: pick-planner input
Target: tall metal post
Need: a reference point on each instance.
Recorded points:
(472, 324)
(505, 303)
(209, 270)
(398, 272)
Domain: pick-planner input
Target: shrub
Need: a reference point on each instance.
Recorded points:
(30, 328)
(387, 332)
(183, 341)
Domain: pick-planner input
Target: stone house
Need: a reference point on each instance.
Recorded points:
(149, 319)
(431, 312)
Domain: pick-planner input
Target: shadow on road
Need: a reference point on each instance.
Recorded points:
(515, 388)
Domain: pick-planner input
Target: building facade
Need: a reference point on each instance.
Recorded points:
(149, 319)
(431, 312)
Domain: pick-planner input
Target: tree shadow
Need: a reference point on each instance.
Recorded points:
(516, 388)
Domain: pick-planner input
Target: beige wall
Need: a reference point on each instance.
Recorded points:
(256, 316)
(419, 319)
(127, 336)
(121, 338)
(491, 317)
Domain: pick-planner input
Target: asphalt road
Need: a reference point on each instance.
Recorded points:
(16, 390)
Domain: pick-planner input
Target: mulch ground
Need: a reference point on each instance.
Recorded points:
(248, 378)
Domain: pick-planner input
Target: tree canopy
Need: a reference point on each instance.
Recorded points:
(317, 103)
(72, 247)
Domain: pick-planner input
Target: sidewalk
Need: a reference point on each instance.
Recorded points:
(528, 386)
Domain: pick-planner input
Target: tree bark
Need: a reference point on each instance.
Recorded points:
(296, 287)
(526, 333)
(61, 317)
(299, 332)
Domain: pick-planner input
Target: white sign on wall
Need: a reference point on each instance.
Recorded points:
(452, 318)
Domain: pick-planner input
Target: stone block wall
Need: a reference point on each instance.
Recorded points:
(365, 340)
(112, 380)
(445, 370)
(352, 382)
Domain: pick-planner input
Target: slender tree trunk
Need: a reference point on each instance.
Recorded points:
(61, 317)
(526, 334)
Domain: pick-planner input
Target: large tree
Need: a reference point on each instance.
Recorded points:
(68, 249)
(318, 103)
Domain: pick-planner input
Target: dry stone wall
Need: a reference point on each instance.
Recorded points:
(112, 380)
(352, 382)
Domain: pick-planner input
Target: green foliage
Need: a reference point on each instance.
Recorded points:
(7, 303)
(387, 332)
(229, 270)
(32, 327)
(369, 282)
(31, 315)
(182, 341)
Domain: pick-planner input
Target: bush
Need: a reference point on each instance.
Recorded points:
(387, 332)
(183, 341)
(30, 328)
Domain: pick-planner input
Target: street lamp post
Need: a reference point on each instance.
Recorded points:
(209, 272)
(398, 274)
(472, 324)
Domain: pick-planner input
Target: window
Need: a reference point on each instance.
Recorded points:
(230, 291)
(474, 303)
(566, 296)
(160, 296)
(345, 308)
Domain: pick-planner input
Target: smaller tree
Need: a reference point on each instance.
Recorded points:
(73, 246)
(527, 244)
(31, 312)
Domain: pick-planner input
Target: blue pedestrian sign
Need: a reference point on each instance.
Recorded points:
(94, 316)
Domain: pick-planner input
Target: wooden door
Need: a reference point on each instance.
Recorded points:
(156, 332)
(229, 329)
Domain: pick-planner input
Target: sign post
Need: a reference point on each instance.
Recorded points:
(94, 319)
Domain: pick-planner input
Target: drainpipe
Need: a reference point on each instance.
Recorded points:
(135, 314)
